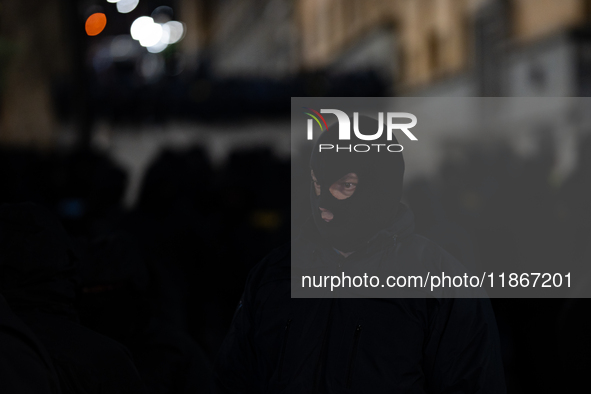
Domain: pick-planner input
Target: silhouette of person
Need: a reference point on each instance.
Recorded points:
(427, 344)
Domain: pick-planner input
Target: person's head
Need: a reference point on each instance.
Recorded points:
(341, 189)
(354, 194)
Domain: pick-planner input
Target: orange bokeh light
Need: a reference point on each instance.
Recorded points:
(95, 24)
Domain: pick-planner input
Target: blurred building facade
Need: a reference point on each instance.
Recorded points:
(252, 55)
(32, 54)
(435, 47)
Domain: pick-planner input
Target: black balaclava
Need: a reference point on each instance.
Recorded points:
(374, 204)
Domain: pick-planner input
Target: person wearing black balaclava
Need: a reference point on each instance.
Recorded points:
(38, 281)
(327, 345)
(375, 177)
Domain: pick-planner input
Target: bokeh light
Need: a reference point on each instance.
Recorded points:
(125, 6)
(165, 37)
(157, 48)
(151, 35)
(146, 31)
(172, 32)
(162, 14)
(140, 26)
(95, 24)
(155, 36)
(176, 31)
(163, 42)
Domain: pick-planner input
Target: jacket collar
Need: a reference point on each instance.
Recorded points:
(311, 242)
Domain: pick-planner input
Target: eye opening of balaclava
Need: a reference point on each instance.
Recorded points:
(373, 205)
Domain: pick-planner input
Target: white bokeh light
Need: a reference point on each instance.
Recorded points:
(176, 31)
(148, 33)
(151, 36)
(155, 36)
(157, 48)
(165, 38)
(125, 6)
(113, 1)
(140, 26)
(163, 43)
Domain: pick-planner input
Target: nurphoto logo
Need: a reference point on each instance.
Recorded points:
(345, 129)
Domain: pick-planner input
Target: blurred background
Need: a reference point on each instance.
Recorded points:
(160, 128)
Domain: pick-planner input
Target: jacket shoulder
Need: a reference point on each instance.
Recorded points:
(272, 268)
(425, 255)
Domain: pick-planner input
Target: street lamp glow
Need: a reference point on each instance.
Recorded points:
(140, 26)
(176, 31)
(152, 35)
(126, 6)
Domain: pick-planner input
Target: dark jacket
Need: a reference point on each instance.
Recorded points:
(414, 345)
(86, 362)
(38, 279)
(25, 365)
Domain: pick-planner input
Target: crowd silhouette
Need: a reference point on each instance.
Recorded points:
(96, 297)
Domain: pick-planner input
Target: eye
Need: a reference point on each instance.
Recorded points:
(350, 185)
(316, 187)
